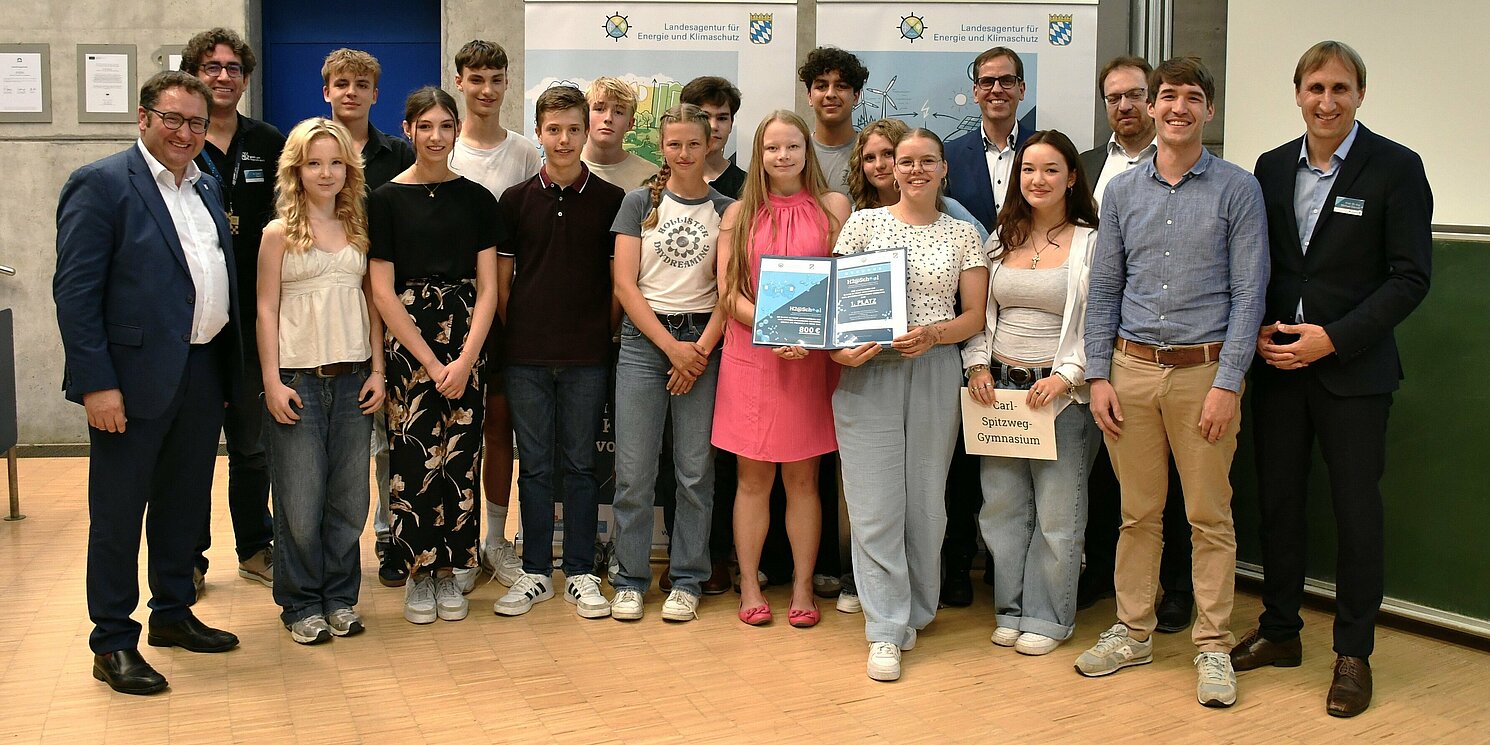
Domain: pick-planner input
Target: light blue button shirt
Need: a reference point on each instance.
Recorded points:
(1311, 188)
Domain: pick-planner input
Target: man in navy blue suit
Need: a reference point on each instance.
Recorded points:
(1350, 228)
(146, 305)
(979, 163)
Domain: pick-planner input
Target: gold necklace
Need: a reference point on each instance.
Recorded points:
(432, 190)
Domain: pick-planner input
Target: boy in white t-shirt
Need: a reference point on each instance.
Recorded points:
(497, 158)
(612, 113)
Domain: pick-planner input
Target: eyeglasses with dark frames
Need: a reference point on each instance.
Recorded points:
(1007, 82)
(173, 121)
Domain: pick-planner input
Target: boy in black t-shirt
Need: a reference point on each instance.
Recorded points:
(555, 302)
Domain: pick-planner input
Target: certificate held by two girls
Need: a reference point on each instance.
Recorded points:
(831, 302)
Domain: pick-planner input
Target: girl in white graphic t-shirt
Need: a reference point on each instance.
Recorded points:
(665, 281)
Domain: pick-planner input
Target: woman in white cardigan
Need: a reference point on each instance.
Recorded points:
(1034, 511)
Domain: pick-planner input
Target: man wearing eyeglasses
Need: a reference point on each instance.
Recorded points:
(145, 304)
(979, 163)
(1123, 83)
(242, 154)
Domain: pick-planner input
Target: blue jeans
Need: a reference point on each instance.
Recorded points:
(318, 466)
(1034, 523)
(556, 415)
(643, 405)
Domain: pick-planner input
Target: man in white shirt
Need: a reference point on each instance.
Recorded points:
(1124, 89)
(147, 309)
(979, 163)
(497, 158)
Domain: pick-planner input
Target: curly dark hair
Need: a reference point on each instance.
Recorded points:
(824, 60)
(203, 43)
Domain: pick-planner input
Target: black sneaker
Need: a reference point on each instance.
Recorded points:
(1174, 611)
(391, 572)
(957, 589)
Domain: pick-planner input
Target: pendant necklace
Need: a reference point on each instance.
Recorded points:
(432, 190)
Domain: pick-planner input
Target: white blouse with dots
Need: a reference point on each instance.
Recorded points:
(937, 255)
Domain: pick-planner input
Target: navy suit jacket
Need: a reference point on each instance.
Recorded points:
(1363, 274)
(967, 172)
(124, 293)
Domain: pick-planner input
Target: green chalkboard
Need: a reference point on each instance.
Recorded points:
(1437, 483)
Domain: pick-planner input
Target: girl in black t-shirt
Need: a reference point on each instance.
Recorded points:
(434, 281)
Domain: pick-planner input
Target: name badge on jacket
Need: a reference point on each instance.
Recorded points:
(1349, 206)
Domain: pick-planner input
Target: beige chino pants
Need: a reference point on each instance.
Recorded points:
(1161, 413)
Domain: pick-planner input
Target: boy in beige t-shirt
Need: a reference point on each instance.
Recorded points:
(612, 113)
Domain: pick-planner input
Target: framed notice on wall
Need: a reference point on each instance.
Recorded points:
(25, 83)
(106, 83)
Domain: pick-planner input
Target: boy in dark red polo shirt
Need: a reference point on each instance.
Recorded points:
(555, 301)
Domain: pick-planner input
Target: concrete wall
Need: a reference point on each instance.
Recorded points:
(39, 157)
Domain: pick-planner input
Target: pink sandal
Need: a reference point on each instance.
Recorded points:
(759, 615)
(804, 619)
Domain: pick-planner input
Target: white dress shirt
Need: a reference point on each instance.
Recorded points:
(1118, 161)
(204, 254)
(1000, 157)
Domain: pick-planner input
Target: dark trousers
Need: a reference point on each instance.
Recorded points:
(1290, 411)
(164, 464)
(1104, 515)
(248, 470)
(964, 501)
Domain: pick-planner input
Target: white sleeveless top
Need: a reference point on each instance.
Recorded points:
(322, 310)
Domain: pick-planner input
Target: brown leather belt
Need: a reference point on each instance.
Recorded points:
(1185, 356)
(332, 370)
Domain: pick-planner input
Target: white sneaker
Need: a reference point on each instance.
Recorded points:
(1114, 651)
(1034, 644)
(450, 602)
(680, 606)
(419, 600)
(627, 605)
(910, 640)
(527, 590)
(500, 560)
(848, 602)
(465, 579)
(583, 591)
(884, 661)
(1005, 636)
(1216, 686)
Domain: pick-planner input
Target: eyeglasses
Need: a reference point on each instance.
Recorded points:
(213, 69)
(1007, 82)
(173, 121)
(928, 163)
(1135, 96)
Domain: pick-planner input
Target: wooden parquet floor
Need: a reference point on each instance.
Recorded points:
(550, 676)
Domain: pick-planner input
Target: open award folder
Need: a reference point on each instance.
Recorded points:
(831, 302)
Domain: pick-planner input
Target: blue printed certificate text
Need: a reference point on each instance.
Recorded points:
(831, 303)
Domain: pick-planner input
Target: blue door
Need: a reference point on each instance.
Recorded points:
(404, 35)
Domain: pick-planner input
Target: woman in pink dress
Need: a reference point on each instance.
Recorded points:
(774, 405)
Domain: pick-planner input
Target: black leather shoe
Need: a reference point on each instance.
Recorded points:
(1350, 691)
(127, 672)
(1089, 591)
(1175, 611)
(1254, 651)
(957, 589)
(191, 635)
(391, 571)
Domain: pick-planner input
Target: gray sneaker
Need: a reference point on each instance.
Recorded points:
(310, 630)
(419, 600)
(345, 622)
(1216, 686)
(1114, 651)
(450, 602)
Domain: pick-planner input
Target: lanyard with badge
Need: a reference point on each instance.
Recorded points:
(227, 191)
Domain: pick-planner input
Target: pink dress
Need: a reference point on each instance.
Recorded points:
(767, 408)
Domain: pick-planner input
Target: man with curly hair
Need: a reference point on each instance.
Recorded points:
(834, 80)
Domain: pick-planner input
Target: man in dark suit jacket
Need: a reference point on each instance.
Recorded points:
(1349, 216)
(998, 87)
(146, 304)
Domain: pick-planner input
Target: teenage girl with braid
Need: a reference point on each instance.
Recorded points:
(664, 272)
